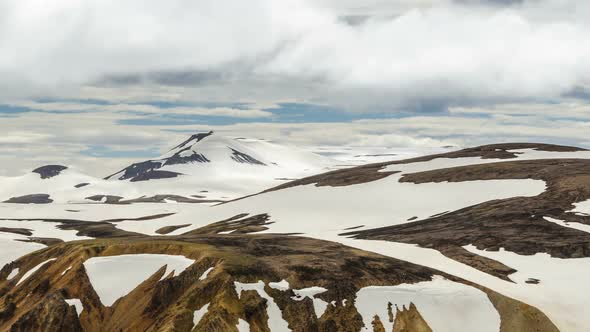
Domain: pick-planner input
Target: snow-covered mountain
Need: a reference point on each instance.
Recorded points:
(208, 155)
(492, 238)
(204, 168)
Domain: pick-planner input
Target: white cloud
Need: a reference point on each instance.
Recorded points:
(144, 108)
(573, 109)
(21, 137)
(446, 51)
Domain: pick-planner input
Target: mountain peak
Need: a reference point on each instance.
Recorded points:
(205, 154)
(198, 137)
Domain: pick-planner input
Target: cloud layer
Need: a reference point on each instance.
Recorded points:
(400, 54)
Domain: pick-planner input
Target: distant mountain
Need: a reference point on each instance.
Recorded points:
(207, 154)
(205, 168)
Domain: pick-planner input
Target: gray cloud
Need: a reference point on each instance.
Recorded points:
(354, 20)
(386, 55)
(184, 78)
(177, 77)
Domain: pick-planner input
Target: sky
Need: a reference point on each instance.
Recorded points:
(98, 84)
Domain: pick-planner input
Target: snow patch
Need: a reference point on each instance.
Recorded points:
(198, 314)
(243, 326)
(582, 208)
(206, 273)
(12, 274)
(275, 316)
(33, 270)
(446, 306)
(113, 277)
(76, 303)
(574, 225)
(563, 291)
(282, 285)
(11, 250)
(66, 270)
(319, 305)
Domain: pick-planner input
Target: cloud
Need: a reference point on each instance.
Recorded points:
(98, 78)
(563, 110)
(398, 55)
(16, 138)
(143, 108)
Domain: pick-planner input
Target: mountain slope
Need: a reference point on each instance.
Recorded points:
(330, 287)
(493, 238)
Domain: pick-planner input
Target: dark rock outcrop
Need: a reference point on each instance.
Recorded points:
(49, 171)
(154, 175)
(181, 158)
(198, 137)
(137, 169)
(20, 231)
(244, 158)
(31, 199)
(410, 320)
(52, 314)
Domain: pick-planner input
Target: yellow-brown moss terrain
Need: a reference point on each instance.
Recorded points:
(38, 303)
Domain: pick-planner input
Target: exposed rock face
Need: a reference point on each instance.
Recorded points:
(51, 314)
(239, 224)
(196, 137)
(164, 303)
(186, 156)
(137, 169)
(244, 158)
(410, 320)
(111, 199)
(154, 175)
(169, 229)
(31, 199)
(48, 241)
(49, 171)
(518, 316)
(164, 197)
(377, 325)
(21, 231)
